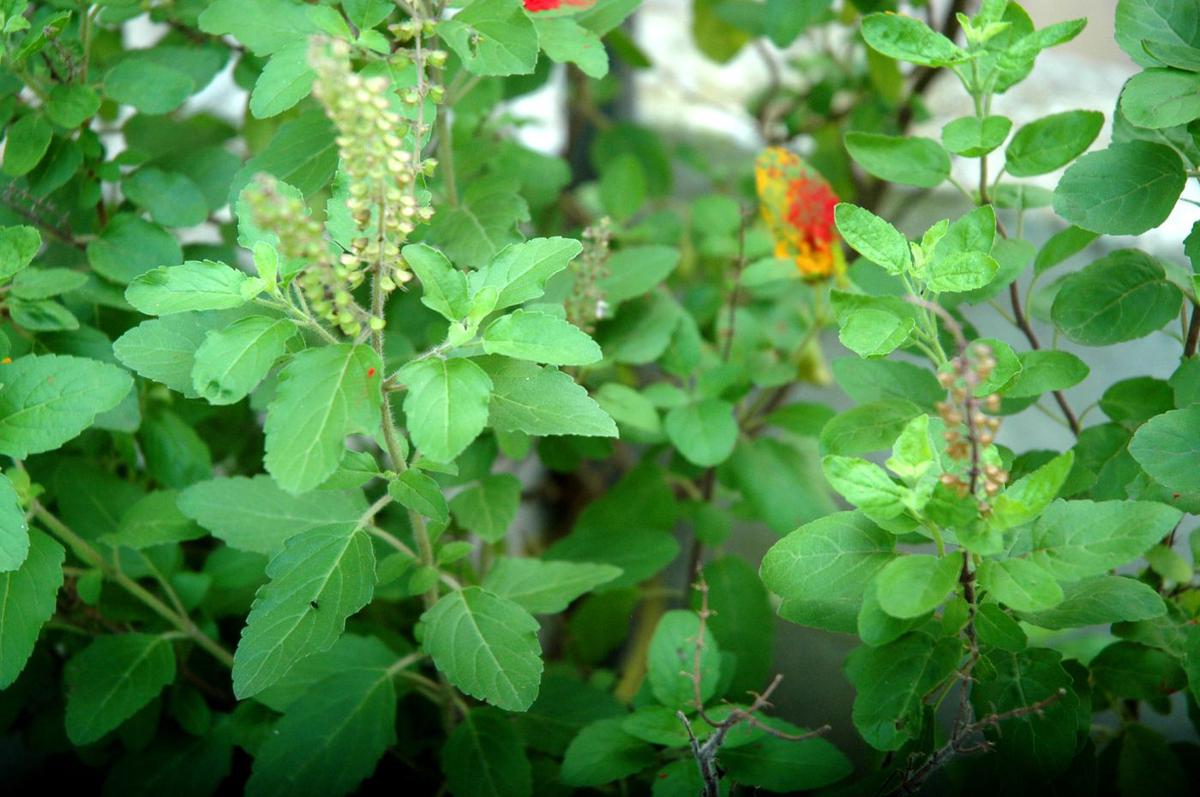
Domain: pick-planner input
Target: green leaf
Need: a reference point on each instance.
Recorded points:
(907, 39)
(46, 400)
(541, 401)
(112, 679)
(27, 601)
(1126, 189)
(1020, 584)
(320, 578)
(1168, 448)
(18, 246)
(495, 38)
(322, 396)
(907, 160)
(565, 41)
(891, 682)
(704, 432)
(1027, 497)
(973, 137)
(164, 349)
(1077, 539)
(170, 198)
(1148, 761)
(151, 87)
(330, 739)
(867, 427)
(875, 380)
(542, 587)
(232, 361)
(1051, 142)
(603, 752)
(129, 247)
(418, 492)
(1158, 98)
(910, 586)
(446, 405)
(742, 621)
(14, 531)
(71, 105)
(1041, 742)
(1139, 22)
(540, 337)
(873, 238)
(1122, 296)
(826, 565)
(195, 285)
(1043, 371)
(482, 225)
(154, 520)
(998, 629)
(634, 271)
(1100, 600)
(483, 757)
(488, 507)
(519, 272)
(443, 287)
(670, 661)
(44, 283)
(284, 81)
(264, 26)
(865, 485)
(1061, 246)
(25, 144)
(303, 154)
(486, 646)
(783, 765)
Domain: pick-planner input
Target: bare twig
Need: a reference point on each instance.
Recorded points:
(706, 752)
(965, 740)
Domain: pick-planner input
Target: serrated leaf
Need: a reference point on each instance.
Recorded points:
(541, 401)
(519, 271)
(418, 492)
(320, 578)
(1168, 448)
(482, 757)
(443, 287)
(540, 337)
(446, 405)
(1126, 189)
(1101, 600)
(112, 679)
(256, 515)
(322, 396)
(543, 587)
(487, 646)
(46, 400)
(232, 361)
(27, 601)
(195, 285)
(495, 38)
(330, 739)
(14, 531)
(284, 81)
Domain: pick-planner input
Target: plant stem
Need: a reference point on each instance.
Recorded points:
(1193, 333)
(85, 551)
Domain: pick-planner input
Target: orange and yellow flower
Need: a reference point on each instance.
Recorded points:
(797, 206)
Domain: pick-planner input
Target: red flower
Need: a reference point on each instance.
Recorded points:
(554, 5)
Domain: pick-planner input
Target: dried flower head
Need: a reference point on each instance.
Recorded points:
(969, 428)
(586, 304)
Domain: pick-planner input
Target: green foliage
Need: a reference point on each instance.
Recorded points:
(351, 442)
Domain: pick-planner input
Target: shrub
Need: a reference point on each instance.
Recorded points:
(350, 442)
